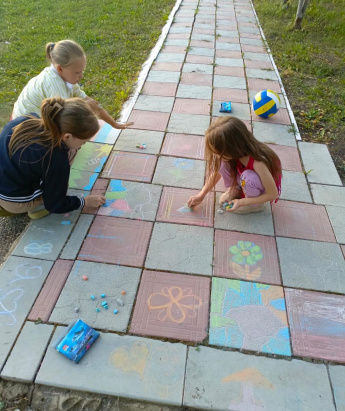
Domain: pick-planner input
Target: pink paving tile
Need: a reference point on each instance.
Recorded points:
(155, 88)
(259, 84)
(130, 166)
(316, 324)
(231, 54)
(203, 31)
(288, 156)
(191, 106)
(184, 145)
(117, 241)
(246, 122)
(173, 208)
(220, 187)
(251, 36)
(257, 64)
(149, 120)
(191, 58)
(174, 49)
(172, 306)
(282, 117)
(253, 48)
(205, 44)
(51, 290)
(231, 26)
(167, 66)
(230, 94)
(247, 24)
(99, 188)
(302, 220)
(248, 257)
(197, 79)
(229, 71)
(224, 39)
(178, 36)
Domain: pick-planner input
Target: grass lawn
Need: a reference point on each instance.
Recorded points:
(311, 64)
(117, 37)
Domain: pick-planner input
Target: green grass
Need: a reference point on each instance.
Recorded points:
(311, 64)
(117, 37)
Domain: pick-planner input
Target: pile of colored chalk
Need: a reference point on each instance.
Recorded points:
(104, 303)
(227, 205)
(141, 146)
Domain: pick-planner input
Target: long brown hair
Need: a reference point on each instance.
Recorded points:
(58, 117)
(229, 137)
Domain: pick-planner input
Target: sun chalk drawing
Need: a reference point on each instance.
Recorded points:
(8, 305)
(37, 249)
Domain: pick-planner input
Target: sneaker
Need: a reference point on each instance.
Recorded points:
(230, 195)
(36, 215)
(249, 209)
(5, 213)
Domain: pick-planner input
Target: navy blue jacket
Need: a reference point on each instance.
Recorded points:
(29, 174)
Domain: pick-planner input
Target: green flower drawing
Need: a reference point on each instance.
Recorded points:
(246, 252)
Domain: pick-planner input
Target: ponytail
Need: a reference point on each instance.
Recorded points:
(64, 52)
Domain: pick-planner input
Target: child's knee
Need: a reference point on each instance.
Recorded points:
(251, 184)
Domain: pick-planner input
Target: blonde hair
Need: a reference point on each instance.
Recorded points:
(64, 52)
(59, 117)
(229, 137)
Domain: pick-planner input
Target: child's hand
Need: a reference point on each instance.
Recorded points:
(195, 200)
(236, 204)
(94, 201)
(122, 126)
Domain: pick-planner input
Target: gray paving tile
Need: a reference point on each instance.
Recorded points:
(163, 76)
(251, 42)
(328, 195)
(229, 82)
(201, 51)
(256, 223)
(176, 42)
(20, 282)
(312, 265)
(337, 375)
(220, 61)
(71, 249)
(227, 33)
(106, 279)
(188, 123)
(115, 364)
(251, 30)
(27, 353)
(198, 92)
(203, 26)
(170, 58)
(256, 56)
(197, 68)
(239, 110)
(262, 74)
(129, 139)
(246, 19)
(337, 218)
(318, 161)
(181, 248)
(202, 37)
(233, 381)
(179, 172)
(273, 133)
(295, 187)
(227, 46)
(155, 103)
(45, 238)
(178, 30)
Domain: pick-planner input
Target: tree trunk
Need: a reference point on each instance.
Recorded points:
(302, 7)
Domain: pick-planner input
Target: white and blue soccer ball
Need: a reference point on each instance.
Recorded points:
(266, 103)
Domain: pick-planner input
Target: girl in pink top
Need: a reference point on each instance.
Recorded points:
(250, 169)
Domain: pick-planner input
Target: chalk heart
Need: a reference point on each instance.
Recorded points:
(131, 360)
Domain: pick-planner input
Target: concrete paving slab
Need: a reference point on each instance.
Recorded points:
(224, 39)
(255, 42)
(199, 59)
(92, 157)
(201, 43)
(256, 56)
(172, 306)
(300, 220)
(316, 324)
(188, 123)
(172, 57)
(229, 71)
(154, 368)
(230, 82)
(20, 282)
(174, 42)
(256, 64)
(224, 381)
(198, 79)
(319, 164)
(154, 103)
(337, 218)
(167, 66)
(179, 172)
(149, 120)
(227, 46)
(230, 94)
(328, 195)
(311, 265)
(201, 51)
(51, 290)
(249, 316)
(99, 188)
(288, 156)
(116, 241)
(71, 249)
(130, 166)
(181, 248)
(282, 117)
(197, 68)
(106, 279)
(45, 238)
(191, 106)
(248, 257)
(227, 33)
(295, 187)
(134, 200)
(253, 223)
(164, 76)
(82, 180)
(154, 88)
(202, 37)
(343, 249)
(273, 133)
(130, 138)
(261, 74)
(27, 353)
(173, 208)
(184, 145)
(195, 92)
(229, 62)
(337, 376)
(106, 134)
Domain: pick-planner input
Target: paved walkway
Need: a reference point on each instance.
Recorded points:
(269, 286)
